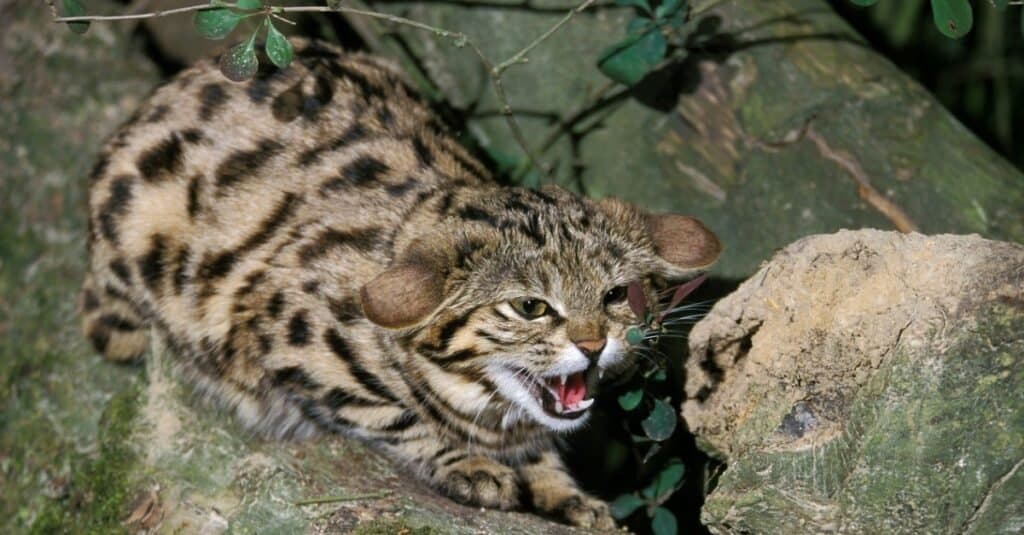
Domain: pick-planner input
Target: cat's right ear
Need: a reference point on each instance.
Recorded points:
(406, 293)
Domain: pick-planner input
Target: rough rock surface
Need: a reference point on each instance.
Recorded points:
(866, 381)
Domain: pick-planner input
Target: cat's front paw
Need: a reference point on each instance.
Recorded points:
(585, 512)
(481, 481)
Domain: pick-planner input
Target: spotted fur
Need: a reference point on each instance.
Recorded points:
(322, 256)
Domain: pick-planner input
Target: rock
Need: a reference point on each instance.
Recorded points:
(866, 381)
(778, 122)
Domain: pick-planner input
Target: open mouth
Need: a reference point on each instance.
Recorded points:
(565, 396)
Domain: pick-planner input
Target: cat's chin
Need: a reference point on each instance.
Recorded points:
(541, 399)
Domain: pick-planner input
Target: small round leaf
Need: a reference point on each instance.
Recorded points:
(628, 61)
(631, 400)
(661, 422)
(667, 481)
(239, 63)
(279, 50)
(664, 522)
(634, 336)
(250, 4)
(74, 8)
(624, 505)
(953, 18)
(216, 23)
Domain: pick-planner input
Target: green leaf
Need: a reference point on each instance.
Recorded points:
(239, 63)
(953, 18)
(624, 505)
(668, 8)
(999, 4)
(664, 522)
(864, 3)
(661, 422)
(628, 61)
(279, 50)
(250, 4)
(74, 8)
(216, 23)
(667, 481)
(634, 336)
(631, 400)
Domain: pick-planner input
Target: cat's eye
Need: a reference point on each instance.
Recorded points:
(615, 295)
(529, 308)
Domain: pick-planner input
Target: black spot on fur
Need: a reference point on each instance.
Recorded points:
(360, 172)
(158, 114)
(323, 93)
(181, 269)
(401, 188)
(100, 338)
(275, 304)
(351, 135)
(448, 330)
(193, 195)
(311, 287)
(99, 168)
(218, 266)
(120, 270)
(423, 153)
(243, 164)
(266, 343)
(298, 329)
(345, 310)
(151, 264)
(161, 160)
(404, 421)
(89, 301)
(360, 239)
(293, 376)
(287, 105)
(117, 323)
(212, 97)
(473, 213)
(386, 118)
(115, 206)
(368, 380)
(192, 135)
(366, 88)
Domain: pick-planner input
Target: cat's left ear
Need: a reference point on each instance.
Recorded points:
(682, 241)
(409, 291)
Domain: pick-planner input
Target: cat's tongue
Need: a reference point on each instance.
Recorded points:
(572, 391)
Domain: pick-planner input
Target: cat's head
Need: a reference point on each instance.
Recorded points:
(524, 294)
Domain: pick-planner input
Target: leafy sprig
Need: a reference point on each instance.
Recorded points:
(658, 322)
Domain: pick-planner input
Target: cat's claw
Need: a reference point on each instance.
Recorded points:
(482, 481)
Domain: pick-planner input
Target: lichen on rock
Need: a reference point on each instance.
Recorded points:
(866, 381)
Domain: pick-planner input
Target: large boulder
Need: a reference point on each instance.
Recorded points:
(866, 382)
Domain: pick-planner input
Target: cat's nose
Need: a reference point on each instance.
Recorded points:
(591, 348)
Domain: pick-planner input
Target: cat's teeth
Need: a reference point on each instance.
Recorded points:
(559, 408)
(600, 372)
(583, 405)
(564, 378)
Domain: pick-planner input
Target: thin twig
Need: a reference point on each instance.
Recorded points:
(459, 39)
(338, 499)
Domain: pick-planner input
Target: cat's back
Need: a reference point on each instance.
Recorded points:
(334, 136)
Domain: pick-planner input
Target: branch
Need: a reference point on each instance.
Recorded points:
(459, 39)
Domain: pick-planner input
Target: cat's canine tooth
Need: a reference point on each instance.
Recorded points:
(583, 405)
(558, 407)
(564, 377)
(600, 372)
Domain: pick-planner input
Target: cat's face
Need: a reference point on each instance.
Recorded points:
(531, 300)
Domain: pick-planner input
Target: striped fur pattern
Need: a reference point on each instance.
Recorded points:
(322, 256)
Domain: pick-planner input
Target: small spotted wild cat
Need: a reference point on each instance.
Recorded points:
(321, 255)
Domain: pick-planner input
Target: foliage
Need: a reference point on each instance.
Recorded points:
(655, 416)
(975, 76)
(240, 62)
